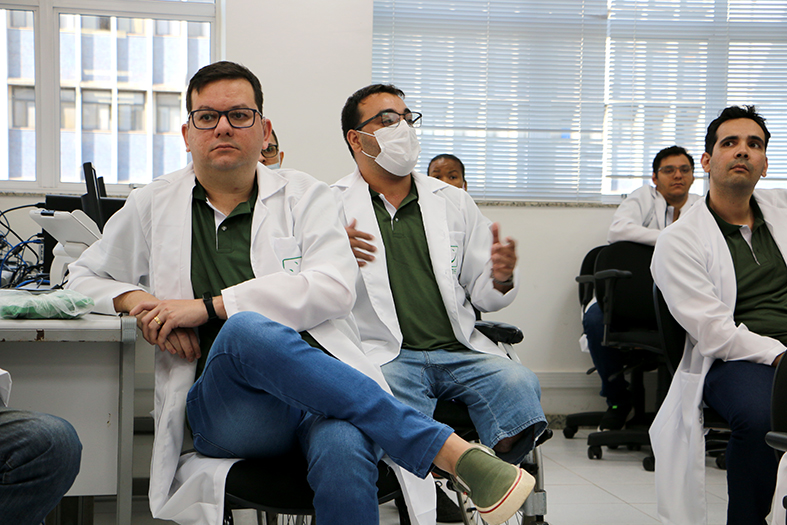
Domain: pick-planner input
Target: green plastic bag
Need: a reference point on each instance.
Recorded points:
(55, 304)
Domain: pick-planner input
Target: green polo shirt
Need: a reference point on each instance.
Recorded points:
(761, 277)
(419, 306)
(219, 258)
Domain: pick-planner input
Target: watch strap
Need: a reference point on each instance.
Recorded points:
(207, 298)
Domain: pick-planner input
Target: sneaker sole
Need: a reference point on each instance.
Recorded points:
(511, 502)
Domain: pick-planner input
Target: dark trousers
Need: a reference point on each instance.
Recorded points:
(606, 360)
(740, 391)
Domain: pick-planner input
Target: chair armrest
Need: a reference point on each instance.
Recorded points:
(584, 278)
(777, 440)
(612, 274)
(500, 332)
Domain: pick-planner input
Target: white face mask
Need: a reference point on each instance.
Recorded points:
(274, 166)
(399, 148)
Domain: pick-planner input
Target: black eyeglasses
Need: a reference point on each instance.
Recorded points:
(271, 151)
(391, 118)
(238, 118)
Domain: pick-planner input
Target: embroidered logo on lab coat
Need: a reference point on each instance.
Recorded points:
(454, 262)
(292, 265)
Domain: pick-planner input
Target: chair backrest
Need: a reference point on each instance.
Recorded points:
(673, 336)
(779, 398)
(585, 277)
(631, 299)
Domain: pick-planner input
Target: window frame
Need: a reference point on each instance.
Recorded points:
(46, 25)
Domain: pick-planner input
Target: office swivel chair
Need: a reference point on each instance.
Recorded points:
(586, 283)
(673, 341)
(278, 486)
(623, 289)
(777, 437)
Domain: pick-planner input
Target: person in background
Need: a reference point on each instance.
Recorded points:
(449, 169)
(640, 218)
(39, 461)
(272, 156)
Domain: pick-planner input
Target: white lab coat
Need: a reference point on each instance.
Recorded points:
(304, 272)
(642, 215)
(460, 244)
(693, 267)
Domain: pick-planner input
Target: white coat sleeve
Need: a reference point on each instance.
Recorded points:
(682, 268)
(117, 263)
(476, 274)
(323, 288)
(628, 220)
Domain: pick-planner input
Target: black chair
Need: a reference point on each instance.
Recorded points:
(278, 486)
(586, 287)
(673, 341)
(623, 289)
(777, 437)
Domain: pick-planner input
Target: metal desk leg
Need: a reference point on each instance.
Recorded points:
(126, 420)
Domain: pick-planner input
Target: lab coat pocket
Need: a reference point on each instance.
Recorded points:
(690, 388)
(288, 253)
(457, 241)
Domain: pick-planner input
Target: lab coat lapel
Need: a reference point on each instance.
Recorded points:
(435, 220)
(773, 216)
(268, 183)
(171, 217)
(358, 205)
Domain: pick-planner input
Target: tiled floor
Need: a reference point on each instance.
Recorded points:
(613, 490)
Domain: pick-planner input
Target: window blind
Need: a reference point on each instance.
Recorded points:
(570, 100)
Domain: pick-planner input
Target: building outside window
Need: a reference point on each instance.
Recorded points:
(114, 73)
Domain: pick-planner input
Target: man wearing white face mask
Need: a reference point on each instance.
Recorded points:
(427, 257)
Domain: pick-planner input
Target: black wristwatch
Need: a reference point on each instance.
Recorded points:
(207, 298)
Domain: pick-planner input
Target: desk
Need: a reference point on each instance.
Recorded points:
(83, 371)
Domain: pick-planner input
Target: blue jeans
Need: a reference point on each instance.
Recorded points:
(39, 460)
(503, 397)
(264, 390)
(607, 361)
(740, 391)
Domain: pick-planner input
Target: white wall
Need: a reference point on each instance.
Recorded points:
(310, 56)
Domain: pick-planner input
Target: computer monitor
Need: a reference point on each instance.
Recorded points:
(95, 202)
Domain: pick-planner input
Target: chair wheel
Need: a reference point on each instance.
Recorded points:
(569, 432)
(594, 452)
(649, 463)
(721, 461)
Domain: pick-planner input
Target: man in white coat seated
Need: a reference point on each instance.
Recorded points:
(639, 218)
(223, 263)
(427, 256)
(722, 271)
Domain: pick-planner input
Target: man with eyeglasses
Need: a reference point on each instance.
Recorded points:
(639, 218)
(272, 156)
(427, 257)
(244, 278)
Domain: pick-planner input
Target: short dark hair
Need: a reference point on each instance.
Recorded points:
(670, 152)
(447, 156)
(223, 70)
(732, 113)
(351, 117)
